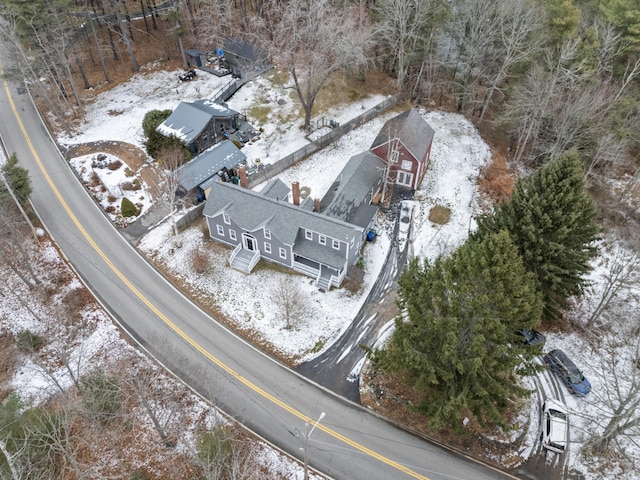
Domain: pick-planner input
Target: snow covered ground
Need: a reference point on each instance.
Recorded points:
(458, 154)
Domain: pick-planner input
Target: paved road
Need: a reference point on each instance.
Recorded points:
(349, 443)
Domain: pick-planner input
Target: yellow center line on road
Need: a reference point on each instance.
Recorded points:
(182, 334)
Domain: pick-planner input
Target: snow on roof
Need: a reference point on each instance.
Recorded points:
(189, 119)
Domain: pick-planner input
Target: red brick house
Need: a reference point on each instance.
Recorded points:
(404, 143)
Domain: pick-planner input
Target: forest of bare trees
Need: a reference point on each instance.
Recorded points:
(548, 76)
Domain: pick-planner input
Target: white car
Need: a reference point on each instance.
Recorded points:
(555, 426)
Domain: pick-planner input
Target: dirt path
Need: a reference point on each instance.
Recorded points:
(135, 158)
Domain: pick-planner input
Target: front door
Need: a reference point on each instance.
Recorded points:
(248, 242)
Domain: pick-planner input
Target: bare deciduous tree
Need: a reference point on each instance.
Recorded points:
(620, 397)
(14, 246)
(289, 301)
(621, 274)
(313, 40)
(158, 403)
(406, 31)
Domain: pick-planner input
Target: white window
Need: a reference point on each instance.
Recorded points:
(394, 156)
(283, 253)
(308, 234)
(407, 165)
(220, 230)
(322, 239)
(267, 234)
(404, 178)
(267, 247)
(232, 234)
(226, 219)
(336, 244)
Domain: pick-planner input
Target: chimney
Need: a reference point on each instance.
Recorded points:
(295, 191)
(242, 171)
(316, 205)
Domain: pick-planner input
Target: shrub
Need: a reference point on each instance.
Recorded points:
(215, 447)
(29, 341)
(200, 260)
(110, 209)
(138, 475)
(100, 396)
(127, 208)
(440, 215)
(126, 186)
(128, 172)
(111, 198)
(77, 299)
(237, 143)
(115, 165)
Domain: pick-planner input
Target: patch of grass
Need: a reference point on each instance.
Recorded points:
(318, 346)
(278, 77)
(260, 113)
(440, 215)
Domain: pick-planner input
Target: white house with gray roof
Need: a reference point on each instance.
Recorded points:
(200, 124)
(260, 226)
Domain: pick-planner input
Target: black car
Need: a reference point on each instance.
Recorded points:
(571, 375)
(531, 337)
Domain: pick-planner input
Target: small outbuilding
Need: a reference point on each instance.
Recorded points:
(200, 124)
(246, 60)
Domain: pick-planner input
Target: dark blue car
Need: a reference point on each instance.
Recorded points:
(558, 362)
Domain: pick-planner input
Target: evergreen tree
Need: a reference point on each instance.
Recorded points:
(18, 179)
(457, 345)
(156, 142)
(127, 208)
(551, 219)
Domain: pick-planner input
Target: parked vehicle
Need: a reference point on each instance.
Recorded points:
(555, 426)
(571, 375)
(531, 337)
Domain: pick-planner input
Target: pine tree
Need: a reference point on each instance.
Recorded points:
(457, 345)
(18, 179)
(551, 219)
(155, 142)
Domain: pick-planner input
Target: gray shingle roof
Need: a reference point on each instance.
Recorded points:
(345, 197)
(243, 49)
(199, 170)
(189, 119)
(276, 189)
(309, 249)
(411, 129)
(252, 210)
